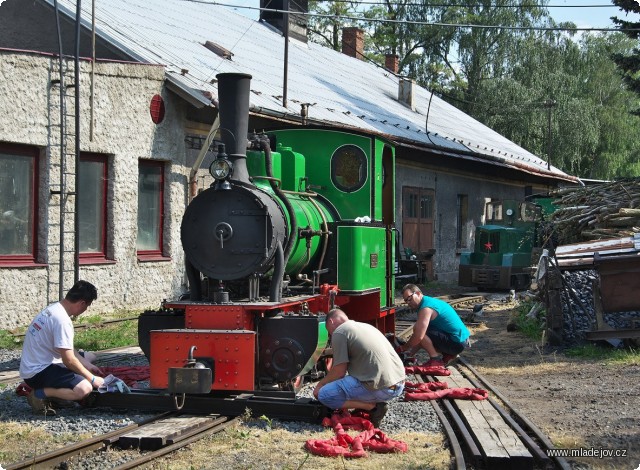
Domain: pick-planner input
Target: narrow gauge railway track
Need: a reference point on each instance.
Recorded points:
(530, 433)
(173, 439)
(483, 437)
(83, 326)
(490, 444)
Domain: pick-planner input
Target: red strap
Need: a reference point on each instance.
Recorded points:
(428, 370)
(353, 447)
(424, 387)
(457, 393)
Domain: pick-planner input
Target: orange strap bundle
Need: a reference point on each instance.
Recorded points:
(343, 444)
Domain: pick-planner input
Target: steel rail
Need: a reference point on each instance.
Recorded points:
(458, 455)
(462, 429)
(178, 444)
(560, 461)
(52, 458)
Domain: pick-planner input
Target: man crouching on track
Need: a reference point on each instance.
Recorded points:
(438, 330)
(49, 364)
(376, 373)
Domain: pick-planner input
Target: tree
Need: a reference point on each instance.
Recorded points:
(629, 63)
(592, 134)
(327, 30)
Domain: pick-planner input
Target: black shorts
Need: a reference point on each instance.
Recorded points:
(54, 376)
(445, 344)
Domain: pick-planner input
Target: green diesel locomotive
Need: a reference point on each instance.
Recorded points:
(505, 247)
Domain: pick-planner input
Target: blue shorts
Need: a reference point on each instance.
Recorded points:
(445, 344)
(54, 376)
(334, 394)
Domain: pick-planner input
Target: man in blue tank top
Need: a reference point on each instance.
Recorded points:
(438, 330)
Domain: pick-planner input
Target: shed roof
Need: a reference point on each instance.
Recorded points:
(341, 90)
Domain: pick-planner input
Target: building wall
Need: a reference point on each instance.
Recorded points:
(125, 133)
(447, 186)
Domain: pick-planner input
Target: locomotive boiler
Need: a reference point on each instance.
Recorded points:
(297, 221)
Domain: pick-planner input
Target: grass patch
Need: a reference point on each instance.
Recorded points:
(112, 335)
(530, 327)
(592, 351)
(8, 341)
(92, 333)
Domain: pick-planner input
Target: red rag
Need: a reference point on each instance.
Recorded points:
(23, 389)
(128, 374)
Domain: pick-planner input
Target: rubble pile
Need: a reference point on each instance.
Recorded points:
(579, 314)
(595, 212)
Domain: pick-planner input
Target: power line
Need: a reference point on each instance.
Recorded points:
(416, 23)
(444, 5)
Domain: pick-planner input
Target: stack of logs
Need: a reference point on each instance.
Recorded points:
(594, 212)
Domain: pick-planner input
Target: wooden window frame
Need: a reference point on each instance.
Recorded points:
(156, 254)
(27, 259)
(100, 256)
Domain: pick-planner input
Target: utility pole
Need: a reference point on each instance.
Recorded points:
(286, 52)
(549, 104)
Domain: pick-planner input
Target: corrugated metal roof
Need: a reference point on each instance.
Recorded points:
(342, 90)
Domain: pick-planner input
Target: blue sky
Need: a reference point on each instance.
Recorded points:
(588, 17)
(585, 17)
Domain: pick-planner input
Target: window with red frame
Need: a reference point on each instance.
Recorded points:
(18, 204)
(150, 209)
(92, 208)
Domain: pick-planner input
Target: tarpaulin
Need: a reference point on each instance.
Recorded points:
(345, 445)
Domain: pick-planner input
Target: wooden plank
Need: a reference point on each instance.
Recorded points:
(498, 442)
(156, 435)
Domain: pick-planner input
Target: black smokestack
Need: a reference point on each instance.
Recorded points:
(233, 107)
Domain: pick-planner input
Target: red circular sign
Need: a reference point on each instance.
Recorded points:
(156, 108)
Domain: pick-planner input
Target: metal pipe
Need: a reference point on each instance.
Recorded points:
(93, 67)
(193, 174)
(62, 150)
(76, 211)
(233, 98)
(286, 53)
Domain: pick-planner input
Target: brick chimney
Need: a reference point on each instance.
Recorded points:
(353, 42)
(391, 62)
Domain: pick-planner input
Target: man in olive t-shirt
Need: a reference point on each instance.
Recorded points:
(366, 371)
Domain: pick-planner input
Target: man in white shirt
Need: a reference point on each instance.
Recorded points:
(49, 364)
